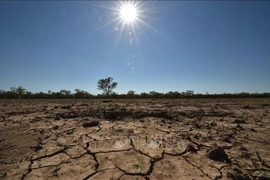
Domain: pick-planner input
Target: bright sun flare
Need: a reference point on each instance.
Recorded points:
(128, 13)
(127, 17)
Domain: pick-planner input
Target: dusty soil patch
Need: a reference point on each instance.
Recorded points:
(134, 139)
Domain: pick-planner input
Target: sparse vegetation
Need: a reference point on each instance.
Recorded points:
(246, 105)
(137, 167)
(107, 85)
(264, 103)
(131, 93)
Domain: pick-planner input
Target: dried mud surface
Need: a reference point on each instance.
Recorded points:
(135, 139)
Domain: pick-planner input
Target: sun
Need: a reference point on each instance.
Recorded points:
(127, 17)
(128, 13)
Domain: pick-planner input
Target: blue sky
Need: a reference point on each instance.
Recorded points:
(205, 46)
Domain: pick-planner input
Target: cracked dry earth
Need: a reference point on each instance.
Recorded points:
(134, 139)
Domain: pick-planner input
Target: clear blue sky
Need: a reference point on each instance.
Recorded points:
(205, 46)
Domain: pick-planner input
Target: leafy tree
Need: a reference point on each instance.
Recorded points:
(81, 94)
(131, 93)
(145, 95)
(28, 95)
(78, 93)
(16, 92)
(107, 85)
(40, 95)
(188, 93)
(172, 94)
(20, 91)
(2, 94)
(13, 89)
(65, 93)
(155, 94)
(152, 93)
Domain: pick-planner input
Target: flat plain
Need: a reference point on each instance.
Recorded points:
(135, 139)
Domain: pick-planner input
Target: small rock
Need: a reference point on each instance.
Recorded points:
(226, 139)
(245, 155)
(239, 121)
(83, 104)
(120, 129)
(239, 127)
(196, 136)
(217, 154)
(36, 119)
(90, 124)
(191, 148)
(238, 171)
(57, 118)
(66, 107)
(197, 125)
(3, 174)
(163, 121)
(213, 123)
(242, 148)
(130, 131)
(236, 176)
(261, 175)
(37, 148)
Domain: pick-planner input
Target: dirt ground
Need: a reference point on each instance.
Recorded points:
(135, 139)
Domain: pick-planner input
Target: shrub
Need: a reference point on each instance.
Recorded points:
(264, 103)
(246, 105)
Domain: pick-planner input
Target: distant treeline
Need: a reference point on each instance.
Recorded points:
(22, 93)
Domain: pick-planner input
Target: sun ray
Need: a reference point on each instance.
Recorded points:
(147, 24)
(133, 28)
(105, 7)
(129, 17)
(159, 7)
(123, 25)
(110, 22)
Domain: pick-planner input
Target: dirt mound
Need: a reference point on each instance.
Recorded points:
(66, 115)
(90, 124)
